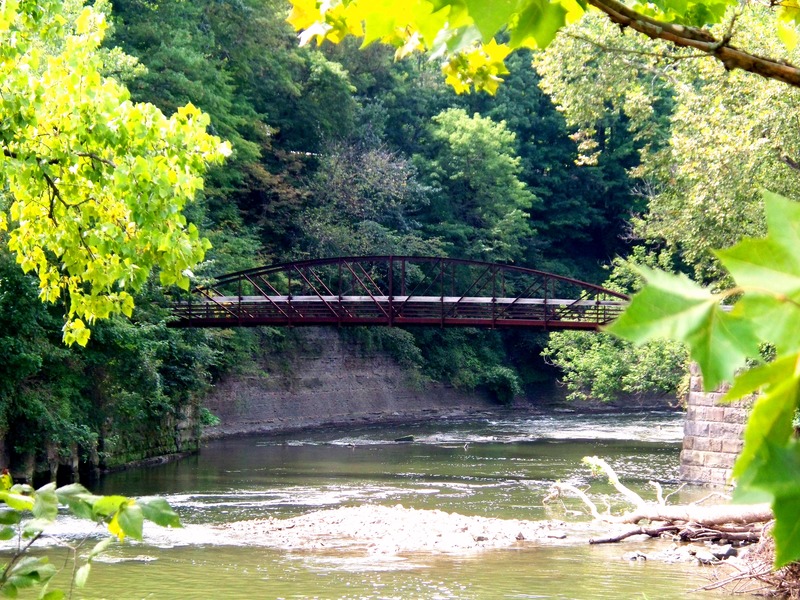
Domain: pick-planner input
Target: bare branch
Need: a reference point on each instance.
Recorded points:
(659, 492)
(613, 479)
(618, 50)
(93, 156)
(652, 532)
(566, 487)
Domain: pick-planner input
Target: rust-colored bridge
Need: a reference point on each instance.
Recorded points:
(398, 290)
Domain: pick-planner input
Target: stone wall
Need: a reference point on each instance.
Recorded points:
(141, 443)
(712, 434)
(327, 381)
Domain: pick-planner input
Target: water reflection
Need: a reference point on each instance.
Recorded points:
(498, 467)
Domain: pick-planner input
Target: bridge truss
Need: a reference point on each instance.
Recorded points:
(398, 291)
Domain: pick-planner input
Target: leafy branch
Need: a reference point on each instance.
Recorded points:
(28, 512)
(700, 39)
(464, 33)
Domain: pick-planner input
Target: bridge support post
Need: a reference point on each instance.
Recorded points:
(712, 434)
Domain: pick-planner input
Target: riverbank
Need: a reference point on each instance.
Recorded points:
(247, 406)
(327, 382)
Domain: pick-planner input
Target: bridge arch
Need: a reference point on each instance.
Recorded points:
(398, 291)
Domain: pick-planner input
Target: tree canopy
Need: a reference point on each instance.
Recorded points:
(474, 37)
(93, 184)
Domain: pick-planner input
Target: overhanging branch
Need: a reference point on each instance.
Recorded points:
(702, 40)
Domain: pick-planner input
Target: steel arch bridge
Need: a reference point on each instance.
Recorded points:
(398, 291)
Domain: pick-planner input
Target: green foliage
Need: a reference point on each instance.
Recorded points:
(464, 35)
(708, 139)
(398, 343)
(602, 367)
(208, 419)
(133, 380)
(463, 30)
(470, 360)
(582, 212)
(767, 276)
(502, 383)
(478, 206)
(364, 200)
(30, 512)
(93, 184)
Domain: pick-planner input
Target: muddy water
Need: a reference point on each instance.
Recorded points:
(494, 466)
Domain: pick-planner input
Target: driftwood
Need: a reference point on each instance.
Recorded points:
(756, 575)
(690, 533)
(685, 522)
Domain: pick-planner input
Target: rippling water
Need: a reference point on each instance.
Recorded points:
(498, 467)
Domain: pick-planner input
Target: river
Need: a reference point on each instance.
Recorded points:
(493, 466)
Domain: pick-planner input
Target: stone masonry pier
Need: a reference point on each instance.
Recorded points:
(712, 436)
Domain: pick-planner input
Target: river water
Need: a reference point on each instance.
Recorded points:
(493, 466)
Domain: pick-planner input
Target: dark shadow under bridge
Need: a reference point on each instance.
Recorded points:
(398, 290)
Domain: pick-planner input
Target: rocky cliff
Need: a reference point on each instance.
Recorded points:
(326, 381)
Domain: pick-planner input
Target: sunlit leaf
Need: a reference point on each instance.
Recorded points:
(27, 565)
(46, 503)
(16, 501)
(108, 505)
(131, 520)
(33, 527)
(52, 595)
(770, 421)
(538, 24)
(159, 512)
(490, 15)
(753, 380)
(100, 547)
(82, 575)
(674, 307)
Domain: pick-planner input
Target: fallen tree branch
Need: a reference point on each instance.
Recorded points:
(733, 522)
(598, 464)
(659, 492)
(652, 532)
(558, 488)
(706, 516)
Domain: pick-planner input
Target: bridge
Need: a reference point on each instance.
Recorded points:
(398, 291)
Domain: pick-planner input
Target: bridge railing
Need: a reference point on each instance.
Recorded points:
(399, 291)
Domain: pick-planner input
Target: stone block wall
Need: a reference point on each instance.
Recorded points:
(712, 434)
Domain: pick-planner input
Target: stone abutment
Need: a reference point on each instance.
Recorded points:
(712, 434)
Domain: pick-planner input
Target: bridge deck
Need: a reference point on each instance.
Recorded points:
(550, 313)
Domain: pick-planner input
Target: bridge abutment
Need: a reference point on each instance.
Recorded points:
(712, 434)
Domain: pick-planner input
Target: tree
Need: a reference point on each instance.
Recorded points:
(767, 294)
(583, 207)
(479, 205)
(365, 200)
(93, 184)
(604, 367)
(708, 140)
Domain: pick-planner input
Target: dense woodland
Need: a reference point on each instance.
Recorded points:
(577, 166)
